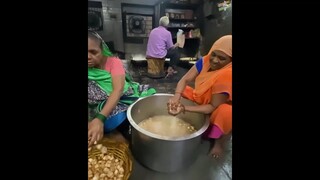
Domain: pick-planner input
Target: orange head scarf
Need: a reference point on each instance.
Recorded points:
(223, 44)
(206, 82)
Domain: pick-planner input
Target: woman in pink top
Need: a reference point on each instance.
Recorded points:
(110, 89)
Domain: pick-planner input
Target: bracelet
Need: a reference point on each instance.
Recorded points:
(177, 92)
(101, 117)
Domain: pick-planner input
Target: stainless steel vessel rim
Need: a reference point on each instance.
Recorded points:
(137, 127)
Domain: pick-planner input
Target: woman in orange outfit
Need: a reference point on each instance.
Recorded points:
(212, 76)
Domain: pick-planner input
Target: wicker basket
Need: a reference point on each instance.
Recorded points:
(119, 150)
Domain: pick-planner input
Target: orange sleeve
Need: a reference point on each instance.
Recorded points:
(223, 84)
(188, 93)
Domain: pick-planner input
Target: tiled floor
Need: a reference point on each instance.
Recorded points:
(205, 167)
(138, 70)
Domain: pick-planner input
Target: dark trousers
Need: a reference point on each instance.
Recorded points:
(174, 55)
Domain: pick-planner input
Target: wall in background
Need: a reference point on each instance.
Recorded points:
(211, 29)
(214, 27)
(112, 27)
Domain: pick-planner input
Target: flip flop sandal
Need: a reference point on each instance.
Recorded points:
(169, 74)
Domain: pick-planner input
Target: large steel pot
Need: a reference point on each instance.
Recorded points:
(155, 152)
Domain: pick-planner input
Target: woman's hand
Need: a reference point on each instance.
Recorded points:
(175, 108)
(175, 98)
(173, 104)
(95, 131)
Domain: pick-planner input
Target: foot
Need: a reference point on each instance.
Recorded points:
(216, 151)
(171, 70)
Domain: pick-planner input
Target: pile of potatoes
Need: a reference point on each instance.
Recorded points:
(104, 166)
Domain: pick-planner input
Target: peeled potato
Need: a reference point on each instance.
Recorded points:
(105, 165)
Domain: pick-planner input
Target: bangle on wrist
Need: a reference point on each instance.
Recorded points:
(101, 117)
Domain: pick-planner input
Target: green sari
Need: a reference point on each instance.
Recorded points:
(103, 87)
(131, 90)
